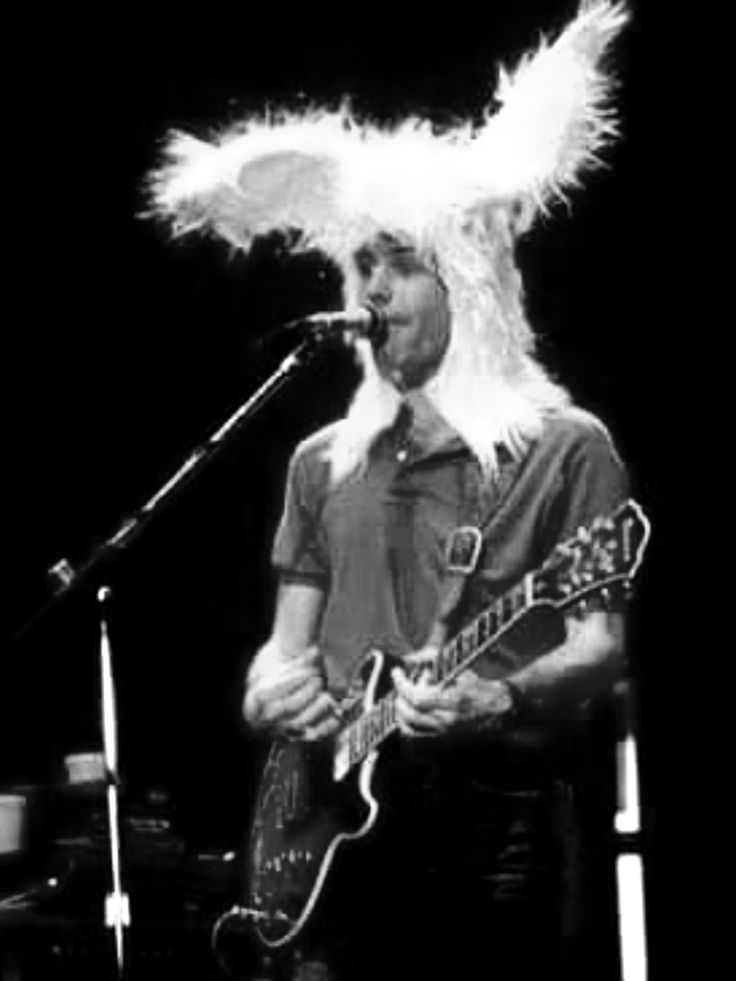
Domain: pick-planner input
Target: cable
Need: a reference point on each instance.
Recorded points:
(230, 914)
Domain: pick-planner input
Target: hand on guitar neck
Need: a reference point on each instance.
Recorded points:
(426, 708)
(286, 695)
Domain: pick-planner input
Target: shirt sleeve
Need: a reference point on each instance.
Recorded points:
(593, 483)
(299, 551)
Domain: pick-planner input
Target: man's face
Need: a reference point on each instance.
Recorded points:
(393, 278)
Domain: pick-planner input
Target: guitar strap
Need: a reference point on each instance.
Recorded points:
(480, 502)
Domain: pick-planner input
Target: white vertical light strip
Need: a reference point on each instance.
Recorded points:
(631, 925)
(627, 814)
(629, 869)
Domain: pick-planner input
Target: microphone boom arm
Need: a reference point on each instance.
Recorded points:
(66, 578)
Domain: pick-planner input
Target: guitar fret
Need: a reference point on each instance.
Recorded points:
(453, 658)
(446, 660)
(507, 609)
(520, 596)
(467, 642)
(513, 596)
(493, 618)
(483, 632)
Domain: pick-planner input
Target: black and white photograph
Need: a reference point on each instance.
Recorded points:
(334, 633)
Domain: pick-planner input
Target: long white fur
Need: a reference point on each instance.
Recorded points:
(556, 114)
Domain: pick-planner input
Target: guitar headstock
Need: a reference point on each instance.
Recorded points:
(605, 555)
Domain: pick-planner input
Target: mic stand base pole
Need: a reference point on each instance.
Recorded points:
(117, 903)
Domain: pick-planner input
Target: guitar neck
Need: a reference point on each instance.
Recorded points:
(367, 732)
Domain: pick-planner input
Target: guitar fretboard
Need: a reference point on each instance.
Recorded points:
(486, 628)
(366, 733)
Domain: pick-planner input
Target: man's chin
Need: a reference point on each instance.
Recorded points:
(405, 377)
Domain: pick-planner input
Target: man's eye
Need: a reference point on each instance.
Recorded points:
(365, 263)
(404, 262)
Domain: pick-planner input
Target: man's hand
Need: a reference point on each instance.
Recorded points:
(286, 695)
(426, 709)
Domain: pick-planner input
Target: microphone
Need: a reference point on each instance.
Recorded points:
(365, 321)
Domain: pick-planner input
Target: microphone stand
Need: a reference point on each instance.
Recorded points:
(66, 579)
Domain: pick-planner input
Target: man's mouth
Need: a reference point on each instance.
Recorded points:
(398, 319)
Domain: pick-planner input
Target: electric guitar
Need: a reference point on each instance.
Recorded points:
(314, 797)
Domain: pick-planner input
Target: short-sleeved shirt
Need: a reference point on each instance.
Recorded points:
(375, 542)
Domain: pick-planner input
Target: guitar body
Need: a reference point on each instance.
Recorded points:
(302, 817)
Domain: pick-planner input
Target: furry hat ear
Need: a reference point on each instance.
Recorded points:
(254, 180)
(555, 115)
(339, 181)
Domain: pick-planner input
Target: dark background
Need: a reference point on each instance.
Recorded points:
(127, 349)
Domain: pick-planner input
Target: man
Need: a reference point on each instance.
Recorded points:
(454, 424)
(349, 582)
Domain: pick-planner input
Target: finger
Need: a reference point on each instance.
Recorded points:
(421, 664)
(419, 731)
(414, 723)
(425, 655)
(327, 727)
(278, 685)
(285, 706)
(252, 707)
(422, 696)
(272, 664)
(320, 708)
(282, 685)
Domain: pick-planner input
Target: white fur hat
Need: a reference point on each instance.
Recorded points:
(339, 181)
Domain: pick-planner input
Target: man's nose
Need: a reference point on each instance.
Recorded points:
(378, 289)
